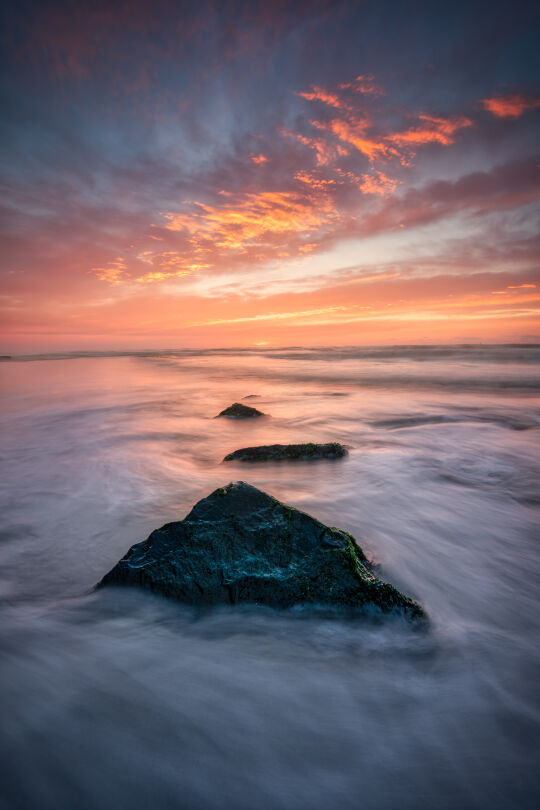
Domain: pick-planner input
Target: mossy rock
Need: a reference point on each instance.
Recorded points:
(239, 411)
(289, 452)
(241, 545)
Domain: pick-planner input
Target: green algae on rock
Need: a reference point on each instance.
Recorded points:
(241, 545)
(288, 452)
(239, 411)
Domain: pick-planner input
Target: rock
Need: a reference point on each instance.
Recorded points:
(239, 411)
(292, 452)
(241, 545)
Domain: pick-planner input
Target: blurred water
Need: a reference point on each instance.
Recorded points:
(122, 700)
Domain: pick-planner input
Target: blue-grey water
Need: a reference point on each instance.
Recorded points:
(120, 699)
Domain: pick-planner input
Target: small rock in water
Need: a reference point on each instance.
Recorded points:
(292, 452)
(239, 411)
(241, 545)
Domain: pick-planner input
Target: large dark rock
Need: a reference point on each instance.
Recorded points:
(288, 452)
(239, 411)
(241, 545)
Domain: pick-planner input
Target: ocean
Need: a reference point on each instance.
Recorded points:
(121, 699)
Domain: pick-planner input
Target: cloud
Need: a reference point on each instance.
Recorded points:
(365, 85)
(432, 129)
(314, 180)
(361, 124)
(352, 185)
(167, 264)
(401, 145)
(353, 131)
(428, 307)
(377, 183)
(514, 287)
(252, 227)
(117, 113)
(247, 218)
(502, 188)
(81, 40)
(509, 106)
(331, 99)
(242, 231)
(326, 153)
(278, 316)
(114, 273)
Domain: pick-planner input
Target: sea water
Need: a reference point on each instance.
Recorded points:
(121, 699)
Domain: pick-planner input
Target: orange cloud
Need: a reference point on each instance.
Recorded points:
(325, 152)
(397, 144)
(315, 182)
(432, 130)
(510, 106)
(115, 273)
(374, 183)
(279, 316)
(318, 94)
(515, 287)
(363, 84)
(253, 218)
(377, 183)
(249, 228)
(354, 132)
(246, 227)
(168, 264)
(358, 128)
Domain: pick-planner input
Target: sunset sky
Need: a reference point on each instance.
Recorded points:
(269, 173)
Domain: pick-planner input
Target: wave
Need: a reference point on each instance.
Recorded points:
(421, 420)
(468, 352)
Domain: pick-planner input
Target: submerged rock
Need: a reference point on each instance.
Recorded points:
(239, 411)
(292, 452)
(241, 545)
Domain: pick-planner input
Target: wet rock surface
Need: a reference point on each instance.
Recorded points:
(289, 452)
(241, 545)
(239, 411)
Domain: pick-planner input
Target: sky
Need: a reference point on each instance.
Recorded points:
(181, 174)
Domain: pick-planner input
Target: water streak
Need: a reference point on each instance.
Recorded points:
(120, 699)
